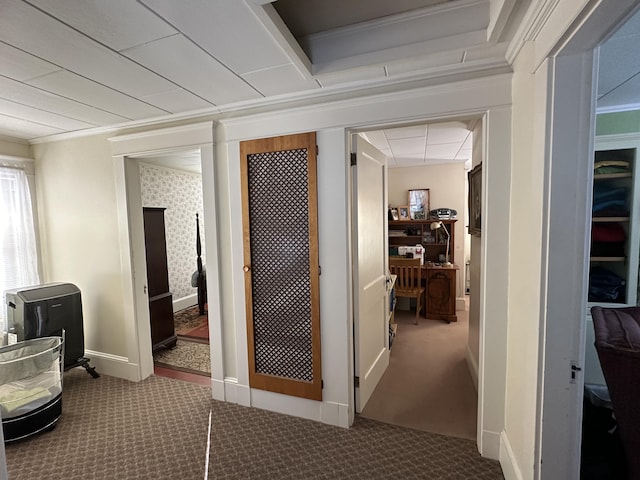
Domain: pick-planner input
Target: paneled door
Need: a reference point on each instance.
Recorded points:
(371, 324)
(281, 269)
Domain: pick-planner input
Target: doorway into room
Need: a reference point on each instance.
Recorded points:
(171, 190)
(429, 383)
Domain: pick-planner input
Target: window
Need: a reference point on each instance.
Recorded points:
(18, 253)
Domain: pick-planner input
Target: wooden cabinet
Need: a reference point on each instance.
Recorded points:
(160, 298)
(414, 232)
(440, 293)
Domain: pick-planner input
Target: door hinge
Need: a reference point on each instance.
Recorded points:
(319, 269)
(354, 159)
(356, 381)
(317, 151)
(321, 384)
(574, 369)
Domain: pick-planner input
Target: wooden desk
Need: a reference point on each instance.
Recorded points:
(440, 292)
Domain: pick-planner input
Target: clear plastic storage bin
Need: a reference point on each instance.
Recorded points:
(31, 386)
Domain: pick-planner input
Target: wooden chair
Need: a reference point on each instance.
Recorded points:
(409, 281)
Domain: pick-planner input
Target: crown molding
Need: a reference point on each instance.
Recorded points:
(535, 18)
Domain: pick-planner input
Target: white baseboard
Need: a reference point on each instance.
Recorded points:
(236, 393)
(113, 365)
(490, 447)
(472, 365)
(185, 302)
(508, 462)
(217, 390)
(460, 303)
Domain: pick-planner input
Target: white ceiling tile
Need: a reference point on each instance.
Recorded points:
(443, 151)
(85, 91)
(176, 100)
(42, 117)
(67, 48)
(20, 65)
(625, 95)
(18, 128)
(278, 80)
(117, 23)
(213, 82)
(32, 96)
(404, 146)
(378, 139)
(619, 61)
(227, 29)
(406, 132)
(447, 133)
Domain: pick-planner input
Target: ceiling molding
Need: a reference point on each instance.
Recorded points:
(535, 18)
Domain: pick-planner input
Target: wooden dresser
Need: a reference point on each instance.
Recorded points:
(160, 298)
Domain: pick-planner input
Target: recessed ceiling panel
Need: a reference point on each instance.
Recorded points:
(445, 151)
(406, 132)
(447, 133)
(306, 17)
(406, 146)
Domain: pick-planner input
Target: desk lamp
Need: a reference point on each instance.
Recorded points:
(435, 226)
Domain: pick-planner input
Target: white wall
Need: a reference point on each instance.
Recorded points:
(15, 148)
(446, 184)
(79, 233)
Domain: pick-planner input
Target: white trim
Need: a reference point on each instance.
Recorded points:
(510, 467)
(330, 413)
(472, 365)
(619, 108)
(128, 196)
(235, 392)
(113, 365)
(490, 445)
(185, 302)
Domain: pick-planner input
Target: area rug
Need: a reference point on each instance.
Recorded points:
(189, 323)
(193, 357)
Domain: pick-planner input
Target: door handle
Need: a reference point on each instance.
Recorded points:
(246, 268)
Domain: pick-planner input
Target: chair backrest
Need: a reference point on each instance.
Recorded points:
(408, 272)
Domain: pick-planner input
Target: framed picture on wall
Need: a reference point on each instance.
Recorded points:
(419, 204)
(403, 213)
(475, 200)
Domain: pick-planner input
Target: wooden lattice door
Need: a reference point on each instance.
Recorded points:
(280, 229)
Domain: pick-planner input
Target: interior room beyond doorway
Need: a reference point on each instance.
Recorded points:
(428, 384)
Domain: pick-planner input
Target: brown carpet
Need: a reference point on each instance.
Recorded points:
(428, 385)
(157, 429)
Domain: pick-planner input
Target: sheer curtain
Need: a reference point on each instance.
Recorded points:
(18, 252)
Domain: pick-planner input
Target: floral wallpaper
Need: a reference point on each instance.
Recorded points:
(181, 194)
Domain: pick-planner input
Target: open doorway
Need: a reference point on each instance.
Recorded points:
(431, 381)
(171, 191)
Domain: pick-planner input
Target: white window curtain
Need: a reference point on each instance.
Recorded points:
(18, 252)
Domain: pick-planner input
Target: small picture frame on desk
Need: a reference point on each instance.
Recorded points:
(393, 214)
(403, 212)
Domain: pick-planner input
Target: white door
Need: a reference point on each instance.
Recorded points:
(371, 328)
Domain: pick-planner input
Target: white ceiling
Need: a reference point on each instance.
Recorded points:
(85, 66)
(82, 65)
(420, 145)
